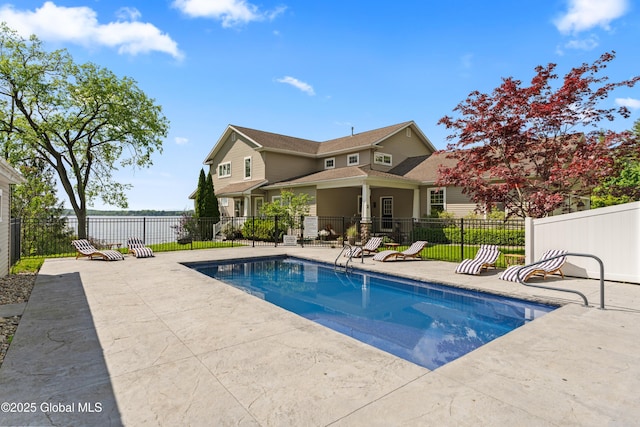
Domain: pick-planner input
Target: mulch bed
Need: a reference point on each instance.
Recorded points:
(14, 289)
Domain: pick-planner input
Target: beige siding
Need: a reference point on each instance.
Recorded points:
(456, 203)
(402, 202)
(339, 201)
(341, 159)
(400, 146)
(235, 153)
(285, 166)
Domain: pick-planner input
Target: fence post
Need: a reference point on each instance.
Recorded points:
(302, 231)
(144, 229)
(275, 231)
(461, 239)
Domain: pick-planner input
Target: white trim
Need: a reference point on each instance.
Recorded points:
(219, 170)
(256, 208)
(357, 160)
(381, 159)
(383, 219)
(330, 159)
(444, 198)
(244, 164)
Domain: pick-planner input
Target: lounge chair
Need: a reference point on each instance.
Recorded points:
(86, 249)
(486, 257)
(412, 252)
(138, 249)
(370, 247)
(552, 266)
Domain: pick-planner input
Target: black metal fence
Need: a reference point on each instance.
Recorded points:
(449, 239)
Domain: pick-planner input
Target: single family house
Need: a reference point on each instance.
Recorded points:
(375, 175)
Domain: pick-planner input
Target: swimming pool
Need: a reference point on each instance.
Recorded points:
(425, 323)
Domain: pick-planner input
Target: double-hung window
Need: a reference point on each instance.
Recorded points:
(247, 168)
(436, 201)
(224, 170)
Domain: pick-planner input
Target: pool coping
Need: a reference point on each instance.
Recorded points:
(154, 342)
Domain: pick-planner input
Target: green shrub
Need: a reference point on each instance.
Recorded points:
(263, 229)
(472, 236)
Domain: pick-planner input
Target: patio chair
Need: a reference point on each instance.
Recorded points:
(85, 249)
(412, 252)
(486, 257)
(370, 247)
(138, 249)
(552, 266)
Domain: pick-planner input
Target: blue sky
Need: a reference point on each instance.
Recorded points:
(314, 69)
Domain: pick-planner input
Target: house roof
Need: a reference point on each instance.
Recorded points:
(273, 141)
(240, 187)
(338, 174)
(424, 169)
(304, 147)
(11, 175)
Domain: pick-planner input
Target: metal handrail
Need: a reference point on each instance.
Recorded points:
(586, 303)
(346, 264)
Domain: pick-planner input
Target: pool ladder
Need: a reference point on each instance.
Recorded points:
(337, 266)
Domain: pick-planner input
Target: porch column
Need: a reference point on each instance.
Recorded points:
(247, 205)
(365, 222)
(366, 206)
(416, 203)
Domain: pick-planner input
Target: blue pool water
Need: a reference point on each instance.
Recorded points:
(425, 323)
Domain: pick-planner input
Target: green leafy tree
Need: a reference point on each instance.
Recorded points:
(288, 208)
(200, 198)
(625, 186)
(80, 119)
(211, 207)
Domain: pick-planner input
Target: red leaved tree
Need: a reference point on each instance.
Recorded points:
(530, 148)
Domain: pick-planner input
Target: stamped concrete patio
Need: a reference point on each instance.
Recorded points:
(149, 341)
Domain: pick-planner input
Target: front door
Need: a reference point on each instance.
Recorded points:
(238, 205)
(386, 213)
(258, 202)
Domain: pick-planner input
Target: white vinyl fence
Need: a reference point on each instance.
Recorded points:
(611, 233)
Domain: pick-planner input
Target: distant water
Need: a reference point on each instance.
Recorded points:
(117, 229)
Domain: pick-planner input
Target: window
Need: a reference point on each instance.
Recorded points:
(359, 205)
(353, 159)
(330, 163)
(247, 168)
(233, 136)
(224, 170)
(223, 201)
(276, 199)
(436, 202)
(383, 159)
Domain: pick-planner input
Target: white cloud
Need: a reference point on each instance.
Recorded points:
(586, 14)
(79, 25)
(230, 12)
(181, 140)
(588, 43)
(628, 102)
(305, 87)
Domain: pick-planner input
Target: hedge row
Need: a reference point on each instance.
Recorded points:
(472, 236)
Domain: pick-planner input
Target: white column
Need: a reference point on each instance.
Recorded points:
(416, 203)
(247, 205)
(366, 205)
